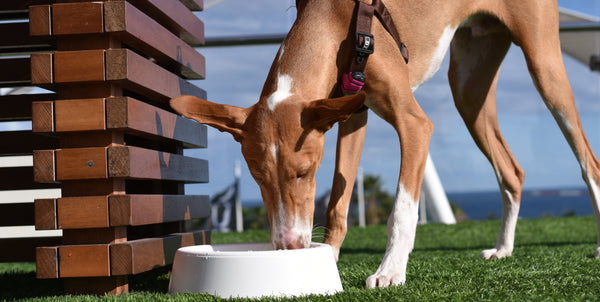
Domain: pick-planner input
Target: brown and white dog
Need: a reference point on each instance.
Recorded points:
(282, 135)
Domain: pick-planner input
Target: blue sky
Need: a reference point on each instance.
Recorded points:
(236, 75)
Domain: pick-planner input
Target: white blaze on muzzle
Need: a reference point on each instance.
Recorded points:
(289, 232)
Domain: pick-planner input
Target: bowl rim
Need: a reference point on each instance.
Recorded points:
(245, 249)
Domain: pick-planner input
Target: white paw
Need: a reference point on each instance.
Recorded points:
(385, 280)
(495, 254)
(597, 255)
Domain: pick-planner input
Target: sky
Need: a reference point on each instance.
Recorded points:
(235, 75)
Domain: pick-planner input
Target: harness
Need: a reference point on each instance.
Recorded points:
(353, 81)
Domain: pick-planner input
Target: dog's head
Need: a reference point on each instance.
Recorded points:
(283, 147)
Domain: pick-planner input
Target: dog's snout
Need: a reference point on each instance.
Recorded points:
(291, 239)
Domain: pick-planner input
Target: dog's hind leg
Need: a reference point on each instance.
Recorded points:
(541, 47)
(351, 136)
(477, 52)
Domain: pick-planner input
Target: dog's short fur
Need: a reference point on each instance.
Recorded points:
(282, 135)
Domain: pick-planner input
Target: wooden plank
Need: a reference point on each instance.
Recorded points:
(44, 166)
(77, 18)
(21, 178)
(18, 107)
(79, 66)
(20, 72)
(42, 69)
(16, 214)
(151, 209)
(23, 249)
(175, 17)
(83, 212)
(24, 142)
(143, 33)
(40, 20)
(80, 115)
(84, 260)
(193, 5)
(16, 39)
(131, 114)
(45, 214)
(145, 77)
(138, 256)
(46, 261)
(81, 163)
(139, 163)
(42, 116)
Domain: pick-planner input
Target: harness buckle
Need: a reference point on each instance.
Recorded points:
(364, 43)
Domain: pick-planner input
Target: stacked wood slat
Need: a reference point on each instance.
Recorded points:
(107, 136)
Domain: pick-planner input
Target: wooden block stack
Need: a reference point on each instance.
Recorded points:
(16, 180)
(120, 162)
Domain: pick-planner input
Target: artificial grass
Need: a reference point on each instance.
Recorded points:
(553, 260)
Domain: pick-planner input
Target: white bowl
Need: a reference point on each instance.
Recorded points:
(254, 270)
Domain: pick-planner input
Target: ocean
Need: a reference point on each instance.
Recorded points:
(534, 203)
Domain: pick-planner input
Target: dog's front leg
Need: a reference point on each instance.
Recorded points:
(351, 136)
(392, 100)
(414, 129)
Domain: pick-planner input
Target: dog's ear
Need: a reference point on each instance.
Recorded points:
(223, 117)
(323, 114)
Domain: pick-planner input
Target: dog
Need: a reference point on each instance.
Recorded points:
(282, 135)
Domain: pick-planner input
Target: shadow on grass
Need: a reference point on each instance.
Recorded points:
(18, 285)
(22, 285)
(154, 281)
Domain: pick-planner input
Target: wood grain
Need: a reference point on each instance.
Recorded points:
(81, 163)
(141, 118)
(175, 17)
(136, 210)
(46, 261)
(77, 18)
(139, 163)
(79, 66)
(84, 260)
(44, 166)
(42, 69)
(83, 212)
(149, 37)
(45, 214)
(80, 115)
(42, 116)
(40, 20)
(142, 76)
(137, 256)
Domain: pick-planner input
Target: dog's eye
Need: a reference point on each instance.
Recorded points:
(301, 174)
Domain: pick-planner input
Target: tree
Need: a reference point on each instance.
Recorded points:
(379, 202)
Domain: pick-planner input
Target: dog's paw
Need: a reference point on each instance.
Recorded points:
(385, 280)
(495, 254)
(597, 255)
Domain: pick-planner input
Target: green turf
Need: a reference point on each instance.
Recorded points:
(553, 260)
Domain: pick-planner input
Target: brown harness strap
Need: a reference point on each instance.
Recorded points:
(388, 23)
(353, 81)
